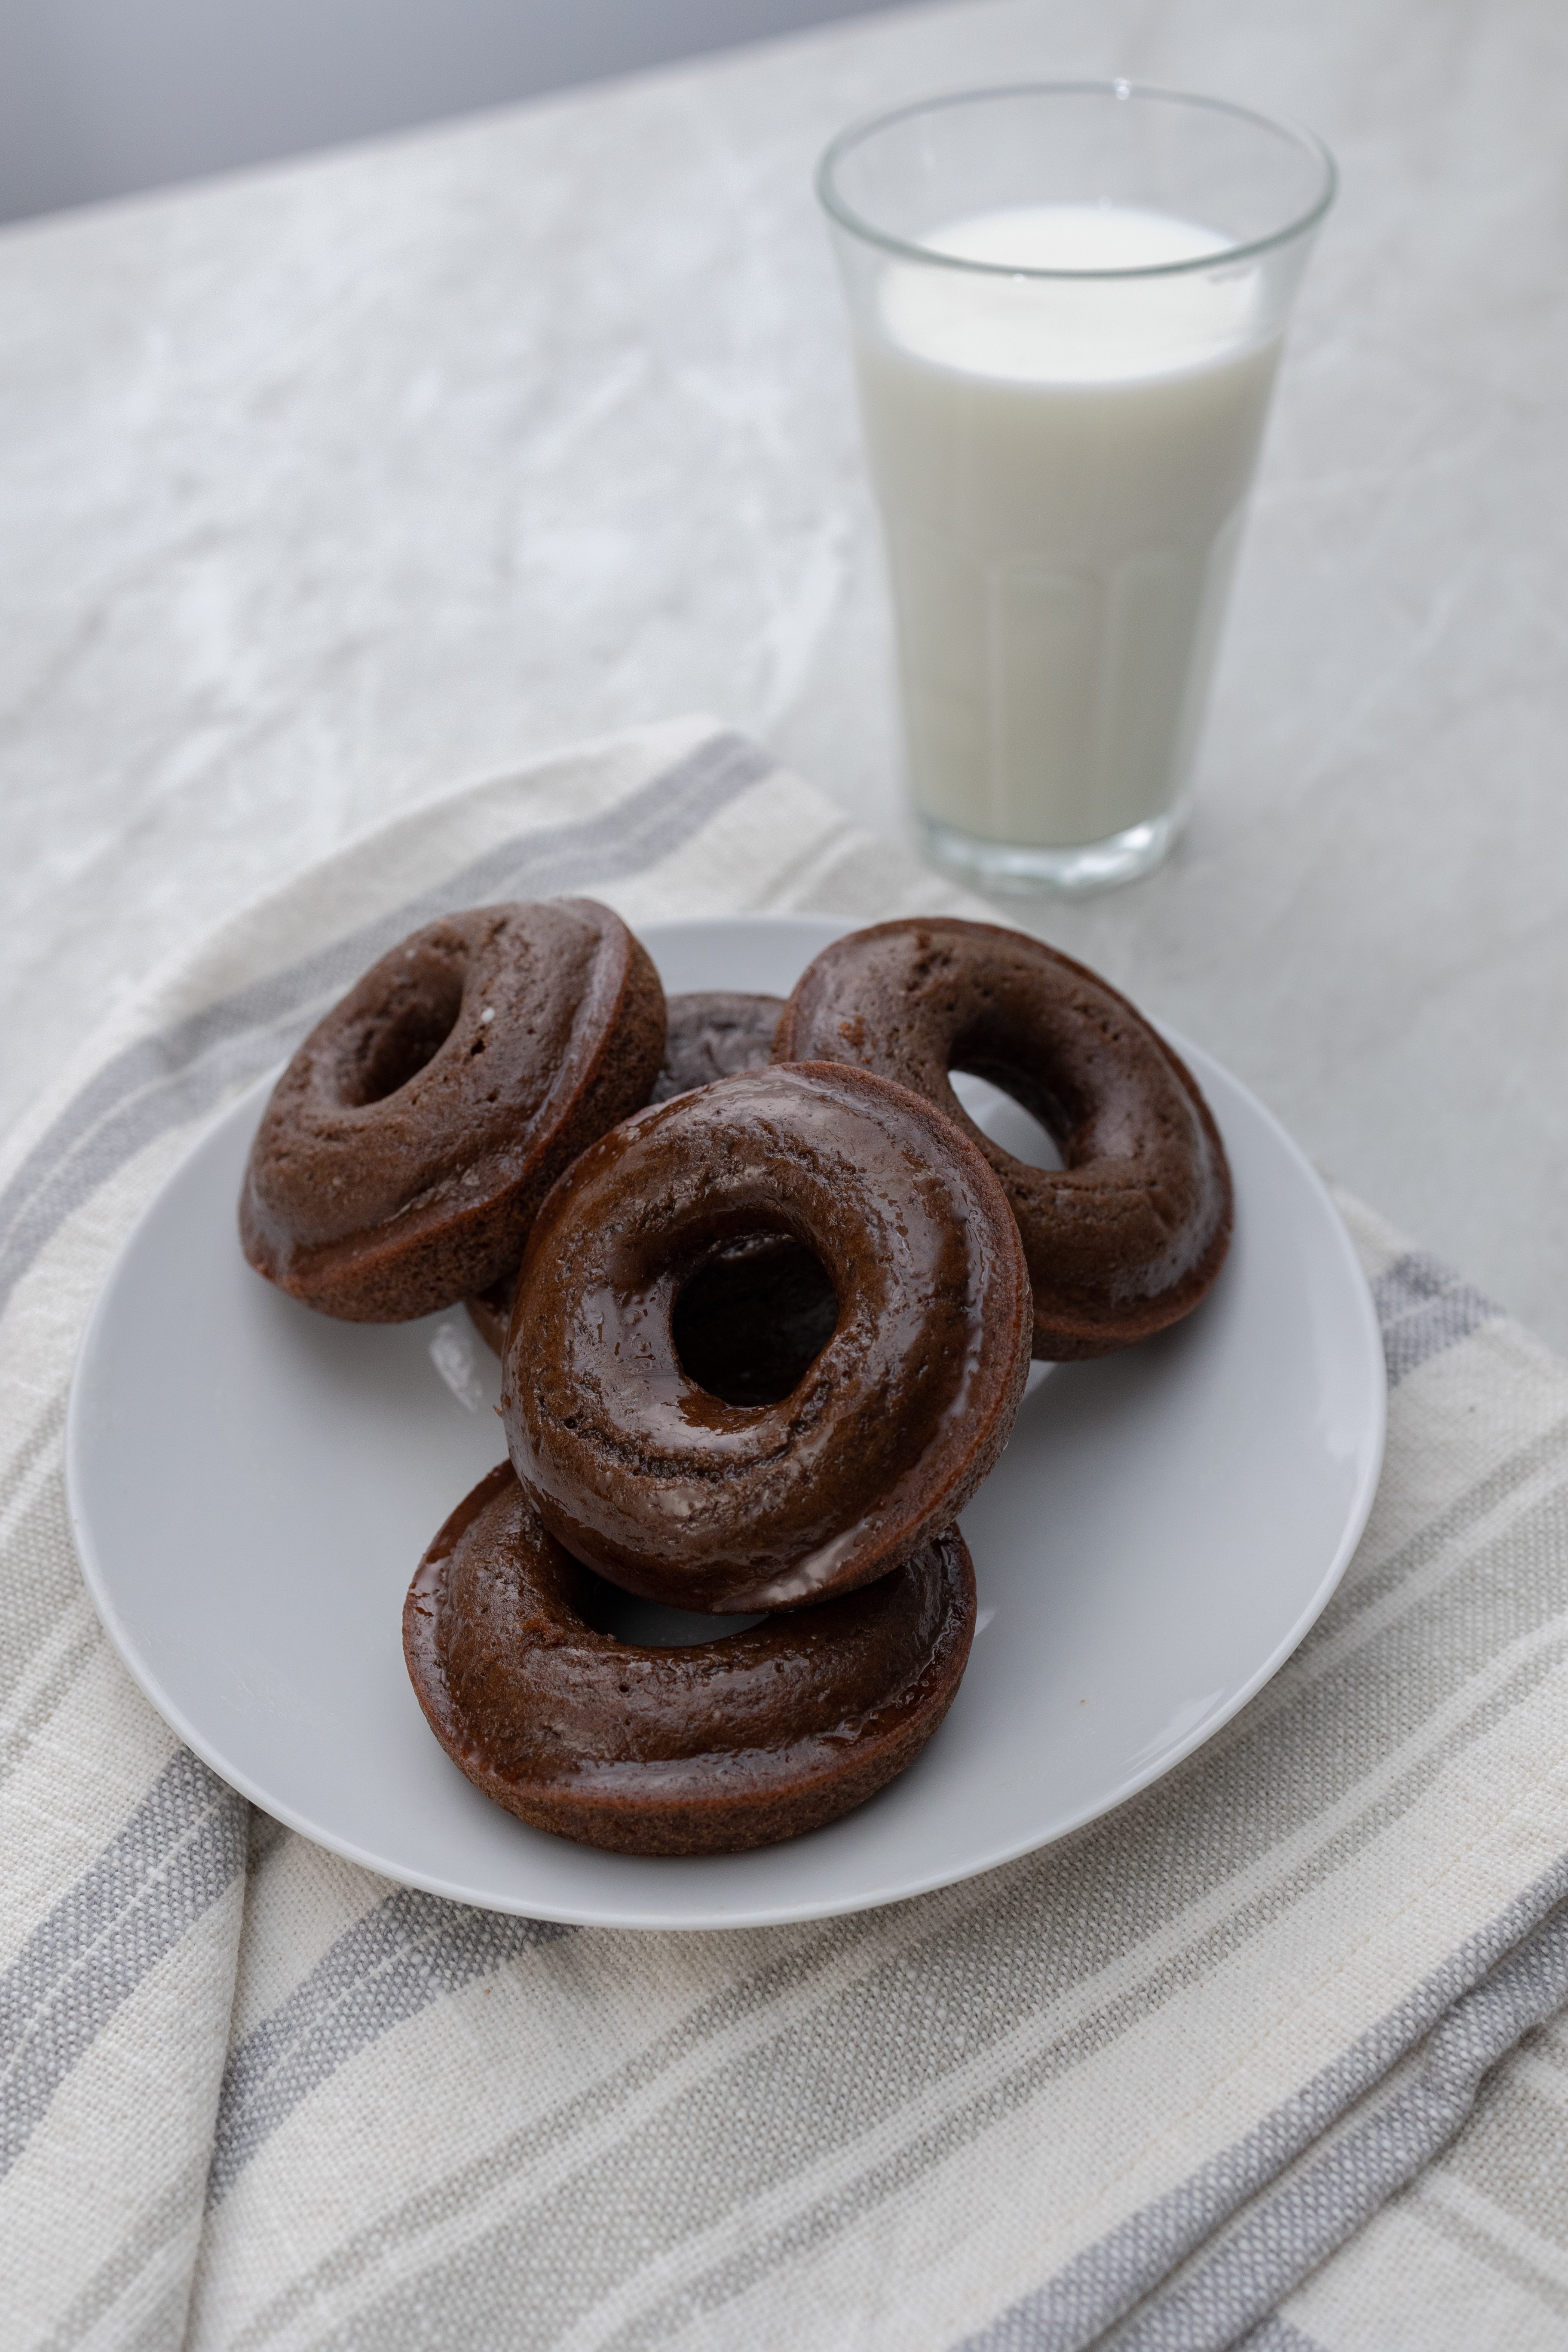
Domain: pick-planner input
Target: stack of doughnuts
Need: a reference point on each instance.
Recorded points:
(765, 1300)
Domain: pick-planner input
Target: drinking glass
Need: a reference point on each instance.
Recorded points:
(1068, 304)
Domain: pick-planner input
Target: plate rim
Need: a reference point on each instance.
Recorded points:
(645, 1917)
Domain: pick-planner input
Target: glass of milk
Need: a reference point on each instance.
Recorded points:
(1068, 303)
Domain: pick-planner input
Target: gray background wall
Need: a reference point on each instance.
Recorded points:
(101, 98)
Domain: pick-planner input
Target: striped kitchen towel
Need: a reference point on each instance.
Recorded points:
(1135, 2090)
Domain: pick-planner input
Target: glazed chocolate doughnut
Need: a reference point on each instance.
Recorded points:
(708, 1035)
(732, 1743)
(407, 1145)
(688, 1496)
(1129, 1235)
(713, 1035)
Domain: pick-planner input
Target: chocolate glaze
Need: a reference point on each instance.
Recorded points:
(745, 1327)
(662, 1485)
(708, 1035)
(711, 1036)
(733, 1743)
(1125, 1238)
(407, 1145)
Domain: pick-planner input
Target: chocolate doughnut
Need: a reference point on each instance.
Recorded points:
(410, 1140)
(689, 1498)
(732, 1743)
(1129, 1235)
(711, 1034)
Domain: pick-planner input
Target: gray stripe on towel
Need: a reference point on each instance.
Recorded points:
(1294, 2230)
(172, 2215)
(411, 1950)
(1276, 2335)
(1368, 1586)
(1472, 2239)
(174, 1076)
(1425, 1309)
(182, 1847)
(1289, 2234)
(479, 2177)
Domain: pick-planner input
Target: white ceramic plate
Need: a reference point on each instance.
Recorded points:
(251, 1486)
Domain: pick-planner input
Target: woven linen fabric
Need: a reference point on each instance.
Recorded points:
(1134, 2090)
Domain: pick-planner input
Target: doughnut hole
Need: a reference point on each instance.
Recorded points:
(408, 1033)
(650, 1625)
(1007, 1121)
(752, 1320)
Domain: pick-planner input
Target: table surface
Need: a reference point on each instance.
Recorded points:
(326, 487)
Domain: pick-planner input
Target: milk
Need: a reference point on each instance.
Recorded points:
(1063, 468)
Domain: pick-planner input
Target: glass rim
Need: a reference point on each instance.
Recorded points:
(856, 134)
